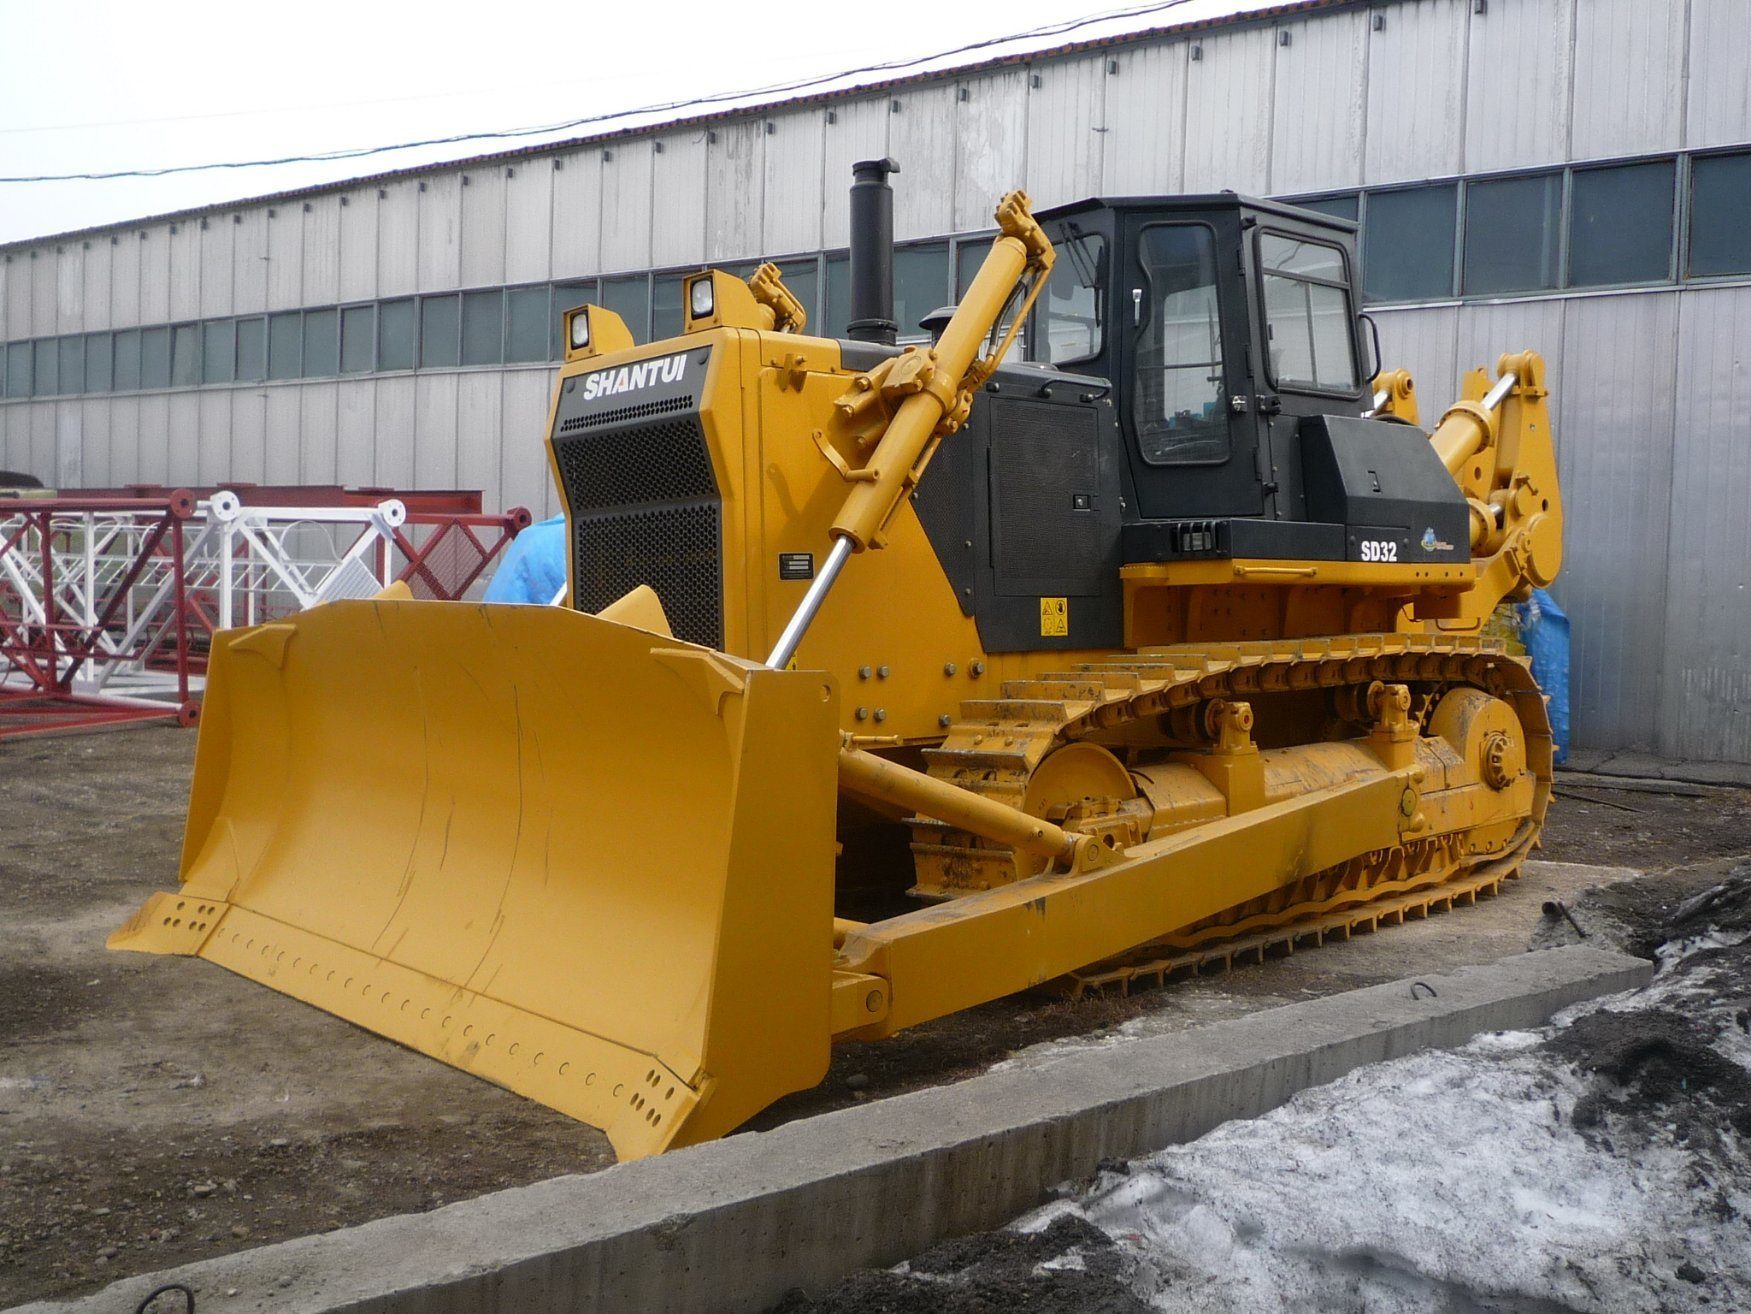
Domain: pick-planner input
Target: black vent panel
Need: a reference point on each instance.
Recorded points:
(645, 509)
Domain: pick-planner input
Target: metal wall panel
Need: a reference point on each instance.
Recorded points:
(153, 456)
(97, 415)
(1718, 111)
(124, 441)
(40, 425)
(70, 287)
(990, 128)
(213, 437)
(483, 226)
(184, 241)
(921, 137)
(249, 262)
(1143, 147)
(1064, 115)
(626, 207)
(1416, 90)
(479, 439)
(96, 271)
(1422, 340)
(1629, 78)
(316, 422)
(434, 447)
(182, 453)
(678, 199)
(529, 222)
(1706, 669)
(69, 445)
(356, 276)
(394, 460)
(1517, 84)
(398, 239)
(577, 214)
(1228, 112)
(6, 285)
(284, 433)
(285, 265)
(249, 425)
(321, 255)
(440, 232)
(44, 292)
(355, 432)
(218, 254)
(1613, 422)
(524, 478)
(791, 217)
(154, 246)
(735, 172)
(1320, 104)
(855, 130)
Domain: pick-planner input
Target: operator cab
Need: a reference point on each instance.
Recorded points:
(1240, 374)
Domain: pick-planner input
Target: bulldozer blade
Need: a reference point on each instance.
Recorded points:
(584, 861)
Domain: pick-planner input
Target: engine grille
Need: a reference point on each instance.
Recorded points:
(645, 510)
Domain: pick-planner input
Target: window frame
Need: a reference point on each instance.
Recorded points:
(1351, 303)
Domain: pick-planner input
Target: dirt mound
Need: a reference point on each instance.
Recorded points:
(990, 1273)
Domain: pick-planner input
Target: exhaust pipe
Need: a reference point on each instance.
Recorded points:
(872, 253)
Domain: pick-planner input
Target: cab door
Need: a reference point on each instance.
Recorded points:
(1182, 369)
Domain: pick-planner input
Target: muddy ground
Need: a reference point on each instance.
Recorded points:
(155, 1111)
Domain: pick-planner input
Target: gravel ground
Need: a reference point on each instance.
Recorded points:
(156, 1111)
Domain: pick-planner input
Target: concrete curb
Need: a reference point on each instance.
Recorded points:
(732, 1225)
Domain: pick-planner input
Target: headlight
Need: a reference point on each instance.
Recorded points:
(699, 297)
(580, 330)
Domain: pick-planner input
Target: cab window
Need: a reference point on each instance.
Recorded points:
(1180, 409)
(1308, 321)
(1073, 306)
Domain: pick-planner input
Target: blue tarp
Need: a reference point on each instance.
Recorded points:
(1544, 629)
(533, 567)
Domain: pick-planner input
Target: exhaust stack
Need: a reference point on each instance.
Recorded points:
(872, 253)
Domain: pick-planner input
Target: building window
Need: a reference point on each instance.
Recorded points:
(395, 335)
(1407, 243)
(185, 356)
(1346, 206)
(630, 298)
(218, 351)
(483, 328)
(321, 343)
(99, 362)
(128, 360)
(666, 321)
(252, 349)
(1720, 201)
(1308, 320)
(155, 357)
(18, 369)
(803, 278)
(920, 286)
(285, 346)
(526, 319)
(837, 312)
(440, 332)
(45, 377)
(358, 339)
(1512, 231)
(72, 353)
(568, 296)
(1620, 225)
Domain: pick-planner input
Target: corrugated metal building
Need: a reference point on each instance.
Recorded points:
(1570, 175)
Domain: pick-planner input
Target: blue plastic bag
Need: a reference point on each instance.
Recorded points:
(533, 567)
(1544, 629)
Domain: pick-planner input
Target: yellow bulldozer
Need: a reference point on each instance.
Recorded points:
(895, 679)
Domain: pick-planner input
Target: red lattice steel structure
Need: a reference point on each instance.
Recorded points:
(137, 579)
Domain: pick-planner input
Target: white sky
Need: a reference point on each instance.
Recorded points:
(94, 85)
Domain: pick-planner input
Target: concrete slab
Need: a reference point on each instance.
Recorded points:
(732, 1225)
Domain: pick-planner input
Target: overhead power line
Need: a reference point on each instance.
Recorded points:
(667, 107)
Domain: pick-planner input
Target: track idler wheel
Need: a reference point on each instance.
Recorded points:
(1486, 734)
